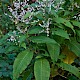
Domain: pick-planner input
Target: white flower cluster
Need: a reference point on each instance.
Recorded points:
(46, 25)
(19, 11)
(12, 36)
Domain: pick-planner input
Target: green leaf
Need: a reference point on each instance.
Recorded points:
(2, 50)
(34, 5)
(78, 2)
(53, 12)
(72, 77)
(76, 23)
(3, 39)
(59, 39)
(42, 69)
(35, 30)
(11, 48)
(54, 51)
(65, 22)
(39, 15)
(74, 47)
(66, 13)
(21, 62)
(23, 45)
(70, 68)
(78, 32)
(27, 15)
(42, 39)
(60, 32)
(27, 75)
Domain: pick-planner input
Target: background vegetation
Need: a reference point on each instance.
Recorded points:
(42, 43)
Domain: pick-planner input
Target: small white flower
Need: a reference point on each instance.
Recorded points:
(10, 9)
(17, 5)
(12, 38)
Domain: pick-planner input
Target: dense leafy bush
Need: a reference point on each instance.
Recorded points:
(43, 43)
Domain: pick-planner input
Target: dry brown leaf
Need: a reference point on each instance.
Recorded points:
(70, 56)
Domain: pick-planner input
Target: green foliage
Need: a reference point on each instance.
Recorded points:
(47, 46)
(75, 47)
(35, 30)
(70, 68)
(42, 67)
(76, 23)
(21, 62)
(60, 32)
(28, 14)
(64, 21)
(41, 39)
(54, 51)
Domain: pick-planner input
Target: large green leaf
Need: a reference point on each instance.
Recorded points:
(21, 63)
(60, 32)
(70, 68)
(54, 51)
(42, 69)
(42, 39)
(65, 22)
(74, 47)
